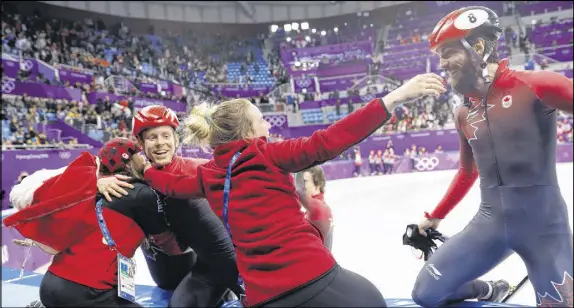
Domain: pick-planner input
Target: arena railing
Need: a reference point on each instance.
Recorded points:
(521, 58)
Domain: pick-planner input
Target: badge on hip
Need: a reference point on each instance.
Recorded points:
(126, 278)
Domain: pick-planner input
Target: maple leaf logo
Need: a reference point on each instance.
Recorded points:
(472, 115)
(564, 291)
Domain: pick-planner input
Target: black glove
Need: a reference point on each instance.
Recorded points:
(426, 244)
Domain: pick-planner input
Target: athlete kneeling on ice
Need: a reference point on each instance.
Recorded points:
(248, 184)
(86, 233)
(310, 185)
(507, 130)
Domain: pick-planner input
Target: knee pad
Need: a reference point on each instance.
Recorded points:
(421, 301)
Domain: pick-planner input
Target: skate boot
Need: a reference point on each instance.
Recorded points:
(500, 289)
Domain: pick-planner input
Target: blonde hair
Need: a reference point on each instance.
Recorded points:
(213, 125)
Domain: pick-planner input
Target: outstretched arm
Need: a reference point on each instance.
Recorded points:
(297, 154)
(294, 155)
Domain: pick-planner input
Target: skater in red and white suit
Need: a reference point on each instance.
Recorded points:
(507, 129)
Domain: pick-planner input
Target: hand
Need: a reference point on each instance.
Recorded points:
(113, 185)
(432, 223)
(416, 87)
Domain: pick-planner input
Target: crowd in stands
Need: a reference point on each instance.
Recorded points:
(188, 58)
(191, 58)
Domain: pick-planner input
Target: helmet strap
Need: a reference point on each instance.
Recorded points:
(479, 62)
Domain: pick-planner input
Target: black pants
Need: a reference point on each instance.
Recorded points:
(529, 220)
(195, 291)
(203, 277)
(338, 288)
(60, 292)
(168, 271)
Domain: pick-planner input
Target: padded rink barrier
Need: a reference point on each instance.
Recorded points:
(19, 292)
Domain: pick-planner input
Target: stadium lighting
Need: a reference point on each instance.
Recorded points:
(345, 24)
(304, 26)
(287, 28)
(323, 33)
(371, 25)
(288, 39)
(336, 29)
(274, 28)
(297, 63)
(313, 30)
(295, 26)
(307, 38)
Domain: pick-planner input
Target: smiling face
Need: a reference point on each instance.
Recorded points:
(455, 60)
(159, 144)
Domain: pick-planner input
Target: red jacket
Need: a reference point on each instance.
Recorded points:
(277, 249)
(319, 212)
(63, 216)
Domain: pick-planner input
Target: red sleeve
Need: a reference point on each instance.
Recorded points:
(188, 165)
(294, 155)
(463, 180)
(175, 185)
(553, 89)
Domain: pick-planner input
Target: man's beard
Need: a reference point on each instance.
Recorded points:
(468, 80)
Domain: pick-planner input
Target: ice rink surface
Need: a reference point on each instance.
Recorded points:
(370, 215)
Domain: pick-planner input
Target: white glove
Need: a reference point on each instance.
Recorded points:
(22, 195)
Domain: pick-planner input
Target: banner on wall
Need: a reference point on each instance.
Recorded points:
(138, 102)
(12, 65)
(73, 76)
(39, 90)
(245, 90)
(148, 87)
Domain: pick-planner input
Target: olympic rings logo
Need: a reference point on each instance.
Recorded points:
(303, 83)
(8, 86)
(65, 155)
(368, 98)
(426, 163)
(276, 120)
(27, 65)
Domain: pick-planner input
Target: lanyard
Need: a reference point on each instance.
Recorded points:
(226, 189)
(103, 226)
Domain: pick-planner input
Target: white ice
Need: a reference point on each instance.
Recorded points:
(371, 214)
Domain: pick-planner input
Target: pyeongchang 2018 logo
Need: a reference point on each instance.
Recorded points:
(32, 156)
(426, 163)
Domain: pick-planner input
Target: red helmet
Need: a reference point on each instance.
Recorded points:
(115, 153)
(465, 22)
(153, 116)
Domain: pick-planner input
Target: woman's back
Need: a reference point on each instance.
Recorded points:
(271, 234)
